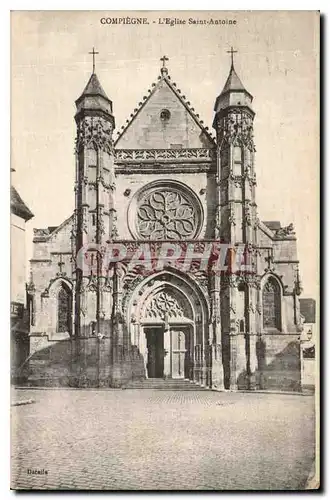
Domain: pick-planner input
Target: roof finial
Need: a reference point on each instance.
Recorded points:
(164, 70)
(94, 53)
(232, 52)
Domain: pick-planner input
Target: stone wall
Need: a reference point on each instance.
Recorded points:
(83, 362)
(279, 364)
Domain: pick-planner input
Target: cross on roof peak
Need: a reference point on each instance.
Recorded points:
(232, 52)
(164, 69)
(164, 59)
(93, 53)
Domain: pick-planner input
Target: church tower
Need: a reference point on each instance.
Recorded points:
(94, 216)
(236, 223)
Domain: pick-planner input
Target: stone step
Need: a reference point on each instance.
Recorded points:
(164, 385)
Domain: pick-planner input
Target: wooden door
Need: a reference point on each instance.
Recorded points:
(155, 344)
(178, 353)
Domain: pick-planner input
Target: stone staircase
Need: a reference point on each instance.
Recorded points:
(164, 385)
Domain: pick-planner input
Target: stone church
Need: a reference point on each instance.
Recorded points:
(165, 178)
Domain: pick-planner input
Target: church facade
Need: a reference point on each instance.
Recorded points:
(163, 189)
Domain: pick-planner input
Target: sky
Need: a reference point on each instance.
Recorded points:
(277, 61)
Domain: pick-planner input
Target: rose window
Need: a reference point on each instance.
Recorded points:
(166, 214)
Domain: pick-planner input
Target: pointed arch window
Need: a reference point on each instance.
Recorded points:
(271, 304)
(64, 309)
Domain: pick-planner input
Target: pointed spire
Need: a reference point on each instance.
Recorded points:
(93, 97)
(233, 82)
(94, 87)
(233, 93)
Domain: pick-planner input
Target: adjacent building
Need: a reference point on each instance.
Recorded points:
(20, 321)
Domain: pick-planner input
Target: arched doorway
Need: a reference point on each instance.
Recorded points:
(168, 320)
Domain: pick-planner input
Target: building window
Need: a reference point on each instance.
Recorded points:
(31, 309)
(165, 115)
(64, 309)
(271, 304)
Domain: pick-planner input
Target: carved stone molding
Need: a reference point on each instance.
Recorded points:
(251, 308)
(229, 280)
(215, 309)
(94, 133)
(233, 309)
(247, 214)
(199, 246)
(114, 229)
(41, 232)
(236, 129)
(217, 226)
(165, 168)
(283, 232)
(234, 280)
(73, 232)
(100, 223)
(165, 303)
(136, 155)
(231, 216)
(45, 293)
(85, 220)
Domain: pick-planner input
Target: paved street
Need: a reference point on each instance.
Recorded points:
(141, 439)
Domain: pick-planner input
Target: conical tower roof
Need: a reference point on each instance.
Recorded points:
(93, 99)
(94, 87)
(233, 93)
(233, 82)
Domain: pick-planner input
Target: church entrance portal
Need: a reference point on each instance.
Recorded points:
(168, 316)
(169, 352)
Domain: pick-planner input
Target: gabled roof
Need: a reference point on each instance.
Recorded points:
(94, 87)
(182, 98)
(307, 309)
(54, 230)
(18, 207)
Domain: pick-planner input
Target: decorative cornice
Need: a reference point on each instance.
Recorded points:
(40, 260)
(286, 261)
(165, 168)
(164, 155)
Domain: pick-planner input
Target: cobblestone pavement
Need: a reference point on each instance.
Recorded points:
(154, 440)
